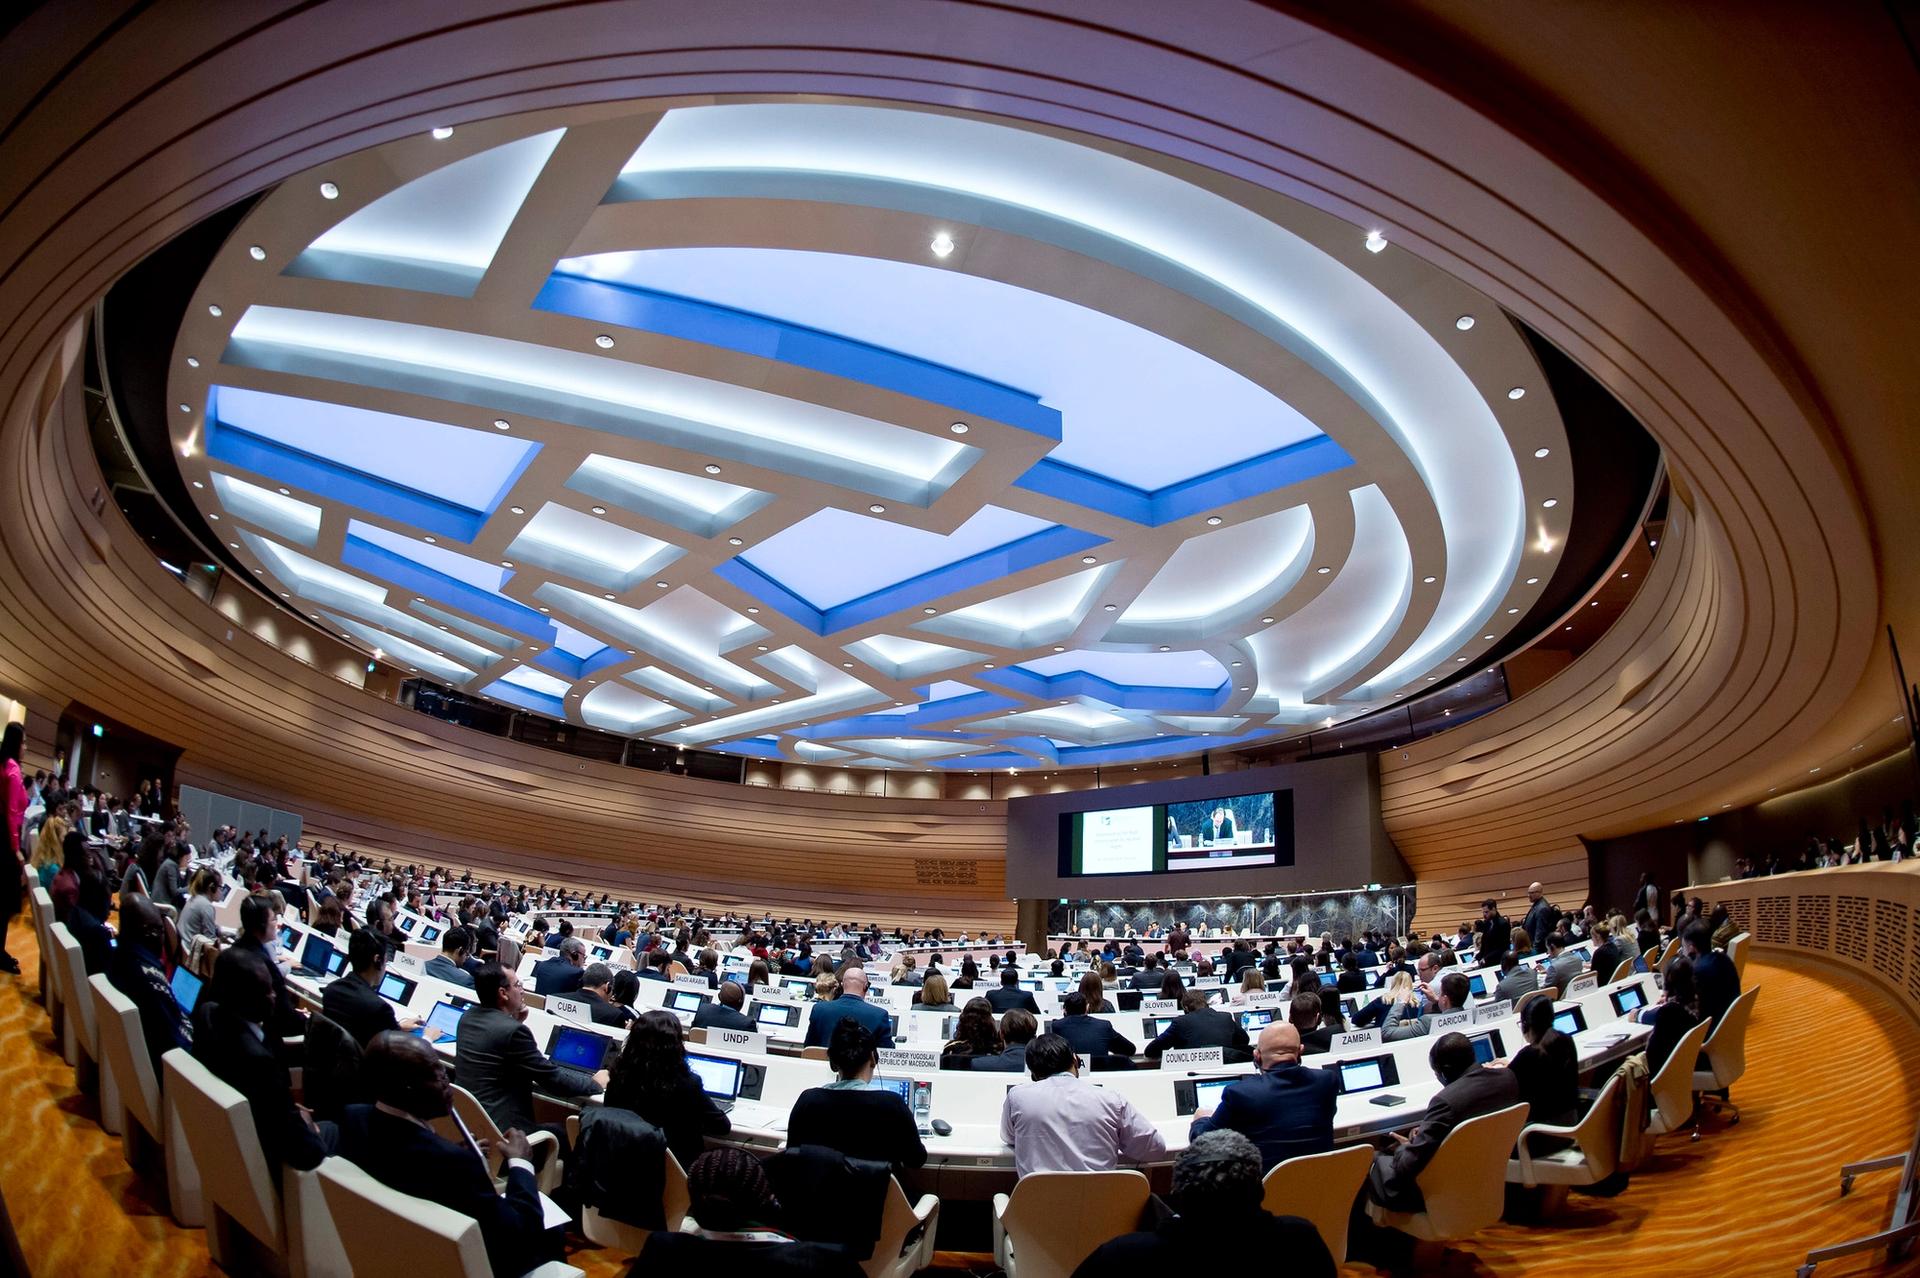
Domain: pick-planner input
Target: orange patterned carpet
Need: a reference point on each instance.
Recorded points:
(1747, 1200)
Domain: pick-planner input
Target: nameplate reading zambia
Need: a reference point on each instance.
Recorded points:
(1356, 1038)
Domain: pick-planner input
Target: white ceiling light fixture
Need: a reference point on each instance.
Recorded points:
(877, 509)
(501, 423)
(1323, 570)
(735, 541)
(958, 428)
(1518, 392)
(1213, 521)
(598, 510)
(1550, 503)
(1089, 559)
(442, 133)
(1375, 241)
(257, 252)
(1429, 580)
(604, 341)
(328, 191)
(1533, 581)
(1464, 323)
(713, 468)
(192, 362)
(215, 311)
(941, 244)
(1541, 452)
(518, 510)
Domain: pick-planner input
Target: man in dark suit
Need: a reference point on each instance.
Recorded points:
(1010, 995)
(1286, 1109)
(1239, 957)
(1468, 1090)
(850, 1005)
(232, 1038)
(561, 973)
(256, 924)
(392, 1142)
(1200, 1025)
(1088, 1035)
(499, 1062)
(1018, 1028)
(723, 1012)
(596, 991)
(1715, 978)
(1303, 1013)
(1496, 934)
(1149, 978)
(449, 965)
(353, 1002)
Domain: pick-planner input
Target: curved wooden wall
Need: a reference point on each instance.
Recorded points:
(1580, 208)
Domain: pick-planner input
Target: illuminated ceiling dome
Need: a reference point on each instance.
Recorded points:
(875, 436)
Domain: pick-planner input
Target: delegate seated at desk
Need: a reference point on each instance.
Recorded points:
(853, 1114)
(1062, 1122)
(561, 974)
(851, 1005)
(233, 1038)
(1286, 1109)
(353, 1002)
(391, 1141)
(723, 1011)
(500, 1064)
(1087, 1035)
(1010, 995)
(449, 965)
(1201, 1025)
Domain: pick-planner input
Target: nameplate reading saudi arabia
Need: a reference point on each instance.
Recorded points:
(745, 1041)
(1148, 1006)
(907, 1058)
(1356, 1038)
(569, 1009)
(1443, 1021)
(1186, 1057)
(1492, 1011)
(691, 982)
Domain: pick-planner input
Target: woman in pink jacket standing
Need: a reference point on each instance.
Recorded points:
(13, 867)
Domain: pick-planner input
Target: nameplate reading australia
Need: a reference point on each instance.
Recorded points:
(907, 1058)
(1356, 1038)
(1582, 985)
(569, 1009)
(742, 1040)
(1492, 1011)
(1149, 1006)
(692, 983)
(1444, 1021)
(1191, 1057)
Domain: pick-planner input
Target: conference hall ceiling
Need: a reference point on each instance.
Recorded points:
(837, 433)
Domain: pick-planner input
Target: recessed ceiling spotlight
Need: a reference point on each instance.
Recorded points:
(1486, 636)
(518, 510)
(1429, 580)
(1459, 658)
(1375, 241)
(1533, 581)
(753, 612)
(1511, 611)
(328, 191)
(1623, 576)
(1550, 503)
(1058, 649)
(1541, 452)
(1110, 607)
(1569, 627)
(1464, 323)
(1594, 604)
(958, 428)
(608, 596)
(215, 311)
(192, 362)
(598, 510)
(256, 252)
(877, 509)
(234, 544)
(713, 468)
(942, 244)
(1238, 664)
(442, 133)
(288, 493)
(501, 423)
(660, 584)
(929, 611)
(1518, 392)
(213, 516)
(1166, 647)
(604, 341)
(1089, 559)
(988, 666)
(433, 541)
(1266, 621)
(846, 665)
(735, 541)
(198, 484)
(1323, 570)
(546, 610)
(1213, 521)
(506, 563)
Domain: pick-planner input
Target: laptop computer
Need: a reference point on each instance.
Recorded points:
(918, 1095)
(685, 1000)
(1256, 1018)
(719, 1077)
(1628, 999)
(1570, 1020)
(580, 1048)
(1488, 1046)
(1369, 1073)
(444, 1018)
(186, 989)
(396, 988)
(316, 955)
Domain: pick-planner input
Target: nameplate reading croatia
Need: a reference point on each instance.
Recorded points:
(907, 1058)
(1191, 1057)
(746, 1041)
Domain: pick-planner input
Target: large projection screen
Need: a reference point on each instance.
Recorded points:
(1300, 827)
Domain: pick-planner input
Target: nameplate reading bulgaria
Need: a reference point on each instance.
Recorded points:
(743, 1040)
(906, 1058)
(1263, 998)
(1184, 1057)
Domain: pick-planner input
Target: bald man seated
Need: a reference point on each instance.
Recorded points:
(1286, 1109)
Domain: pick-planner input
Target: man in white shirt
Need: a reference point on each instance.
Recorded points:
(1061, 1122)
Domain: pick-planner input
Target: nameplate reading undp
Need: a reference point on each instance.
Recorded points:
(907, 1058)
(1191, 1057)
(745, 1041)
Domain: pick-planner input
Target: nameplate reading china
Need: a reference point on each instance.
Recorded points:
(569, 1009)
(1185, 1057)
(907, 1058)
(746, 1041)
(1492, 1011)
(1443, 1021)
(1356, 1038)
(406, 962)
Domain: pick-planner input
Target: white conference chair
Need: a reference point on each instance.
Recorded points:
(143, 1116)
(1737, 947)
(69, 970)
(1464, 1186)
(905, 1245)
(40, 908)
(1053, 1220)
(1622, 972)
(287, 1222)
(1593, 1156)
(1672, 1088)
(388, 1234)
(488, 1133)
(1320, 1188)
(1726, 1052)
(674, 1202)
